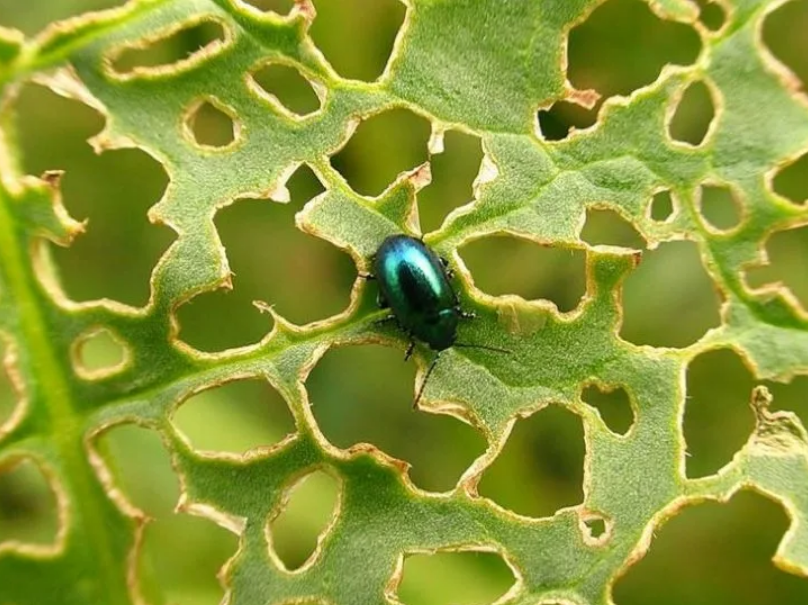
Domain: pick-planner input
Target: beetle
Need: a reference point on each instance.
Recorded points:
(415, 284)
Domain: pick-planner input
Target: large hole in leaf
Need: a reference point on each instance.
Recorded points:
(357, 36)
(720, 207)
(693, 116)
(661, 207)
(603, 51)
(307, 512)
(235, 417)
(383, 146)
(99, 353)
(31, 17)
(717, 553)
(606, 226)
(786, 251)
(613, 404)
(211, 125)
(669, 300)
(784, 34)
(173, 48)
(285, 85)
(792, 181)
(180, 554)
(304, 277)
(510, 265)
(453, 174)
(718, 419)
(365, 394)
(466, 577)
(540, 469)
(28, 508)
(115, 257)
(559, 121)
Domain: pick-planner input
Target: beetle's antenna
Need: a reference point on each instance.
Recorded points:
(471, 346)
(423, 383)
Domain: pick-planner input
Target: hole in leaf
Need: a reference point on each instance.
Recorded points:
(711, 14)
(211, 125)
(719, 207)
(453, 174)
(669, 300)
(786, 251)
(718, 419)
(115, 257)
(99, 353)
(235, 417)
(596, 529)
(179, 46)
(181, 557)
(280, 7)
(286, 85)
(306, 515)
(704, 547)
(356, 36)
(603, 55)
(462, 578)
(606, 226)
(784, 34)
(9, 398)
(510, 265)
(30, 18)
(661, 208)
(791, 397)
(383, 146)
(28, 508)
(557, 122)
(792, 181)
(693, 116)
(540, 469)
(365, 394)
(613, 404)
(312, 282)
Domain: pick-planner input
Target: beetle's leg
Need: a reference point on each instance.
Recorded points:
(382, 301)
(410, 349)
(464, 314)
(449, 271)
(367, 276)
(385, 320)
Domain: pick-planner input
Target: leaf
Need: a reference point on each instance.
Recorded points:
(485, 68)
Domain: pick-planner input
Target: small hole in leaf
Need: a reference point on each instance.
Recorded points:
(280, 7)
(116, 255)
(784, 34)
(718, 419)
(30, 18)
(357, 36)
(540, 469)
(211, 126)
(786, 251)
(603, 55)
(717, 553)
(174, 48)
(453, 174)
(596, 529)
(711, 14)
(669, 300)
(235, 417)
(304, 277)
(693, 116)
(28, 507)
(291, 89)
(792, 181)
(181, 557)
(365, 393)
(510, 265)
(461, 578)
(99, 353)
(613, 405)
(308, 512)
(557, 122)
(661, 208)
(606, 226)
(719, 207)
(383, 146)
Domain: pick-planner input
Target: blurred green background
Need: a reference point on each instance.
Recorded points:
(711, 554)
